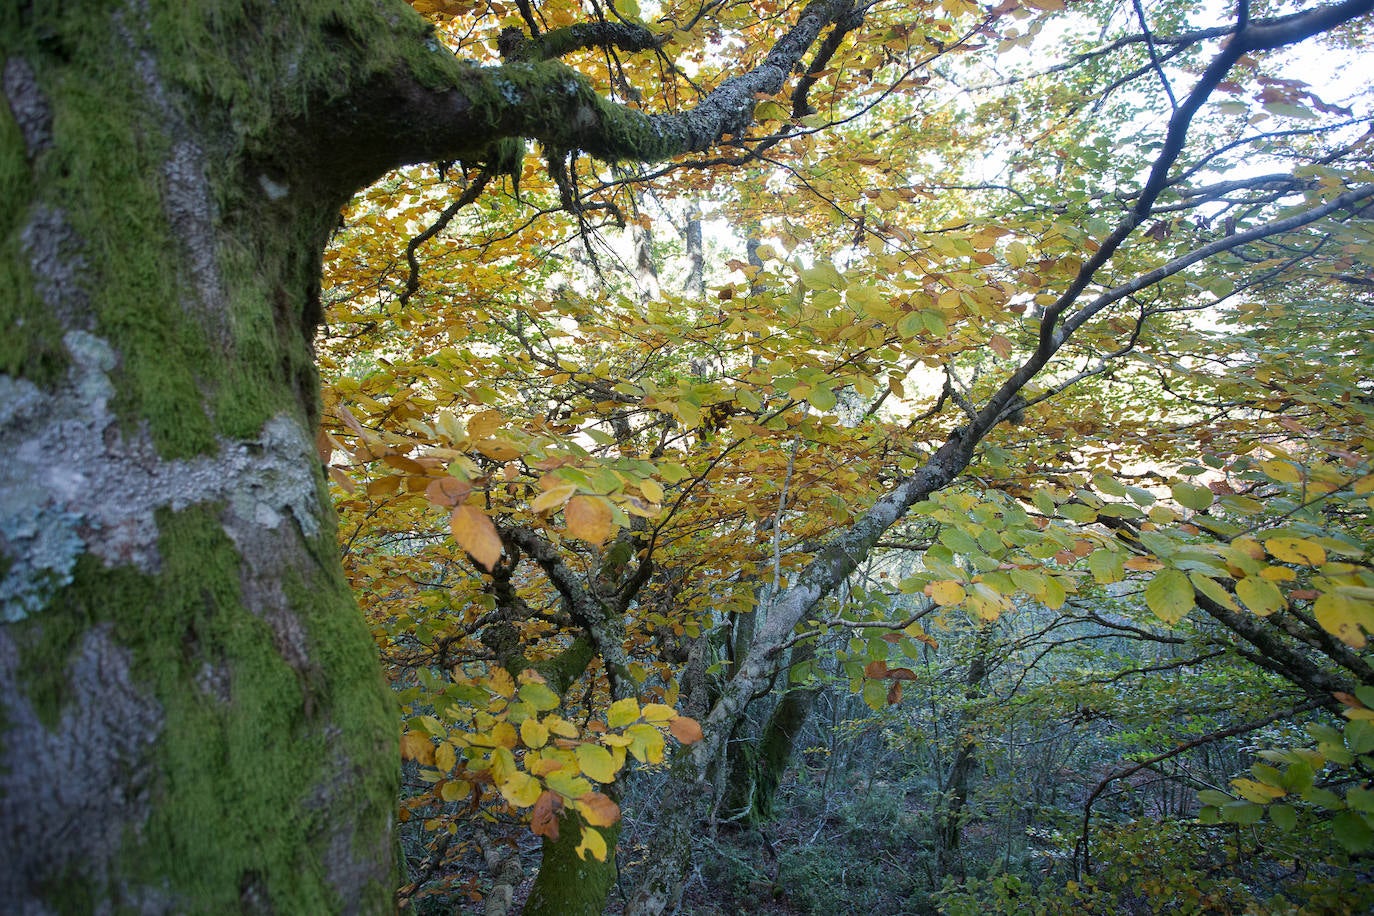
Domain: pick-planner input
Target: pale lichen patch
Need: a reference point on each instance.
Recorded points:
(76, 483)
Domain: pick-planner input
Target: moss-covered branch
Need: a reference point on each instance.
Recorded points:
(436, 108)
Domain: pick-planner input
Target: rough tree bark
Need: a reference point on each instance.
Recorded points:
(191, 714)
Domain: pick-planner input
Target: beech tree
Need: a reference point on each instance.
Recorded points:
(193, 716)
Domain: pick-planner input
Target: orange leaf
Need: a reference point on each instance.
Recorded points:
(484, 423)
(876, 669)
(476, 534)
(589, 518)
(685, 729)
(447, 491)
(597, 809)
(544, 816)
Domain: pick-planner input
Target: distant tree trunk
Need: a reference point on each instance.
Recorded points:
(949, 812)
(696, 257)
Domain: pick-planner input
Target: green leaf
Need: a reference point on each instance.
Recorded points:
(821, 398)
(1284, 817)
(1242, 812)
(539, 696)
(1353, 831)
(1170, 595)
(822, 275)
(1105, 566)
(1191, 496)
(1359, 736)
(1213, 797)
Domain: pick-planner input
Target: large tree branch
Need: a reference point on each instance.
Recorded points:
(439, 108)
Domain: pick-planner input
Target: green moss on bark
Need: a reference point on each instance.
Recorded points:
(568, 885)
(262, 744)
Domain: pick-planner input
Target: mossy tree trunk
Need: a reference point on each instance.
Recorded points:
(191, 713)
(756, 767)
(950, 814)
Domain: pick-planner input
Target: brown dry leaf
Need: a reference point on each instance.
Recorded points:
(447, 491)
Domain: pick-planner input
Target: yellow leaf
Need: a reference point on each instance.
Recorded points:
(503, 734)
(1282, 471)
(550, 500)
(444, 757)
(647, 743)
(476, 534)
(417, 746)
(533, 733)
(597, 809)
(1296, 550)
(1213, 589)
(1017, 254)
(1170, 595)
(455, 790)
(946, 592)
(596, 762)
(592, 842)
(622, 712)
(521, 789)
(561, 727)
(657, 712)
(986, 602)
(1342, 617)
(652, 490)
(1260, 595)
(502, 764)
(569, 784)
(1257, 792)
(589, 518)
(500, 682)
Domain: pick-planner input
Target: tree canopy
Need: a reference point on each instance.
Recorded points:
(993, 376)
(986, 309)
